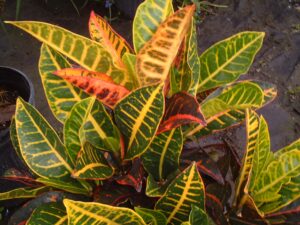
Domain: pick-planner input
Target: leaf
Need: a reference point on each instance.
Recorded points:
(293, 146)
(198, 216)
(150, 216)
(185, 190)
(22, 193)
(181, 109)
(130, 62)
(49, 214)
(285, 217)
(61, 95)
(87, 53)
(226, 60)
(96, 213)
(91, 164)
(20, 176)
(148, 16)
(107, 92)
(14, 138)
(138, 116)
(162, 156)
(40, 146)
(156, 57)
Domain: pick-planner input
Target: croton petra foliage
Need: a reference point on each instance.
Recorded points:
(126, 114)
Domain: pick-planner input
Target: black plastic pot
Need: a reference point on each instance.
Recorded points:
(128, 7)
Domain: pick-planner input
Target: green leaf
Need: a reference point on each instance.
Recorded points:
(60, 94)
(23, 193)
(40, 146)
(130, 62)
(225, 61)
(49, 214)
(198, 216)
(96, 213)
(157, 189)
(151, 216)
(138, 116)
(14, 138)
(162, 156)
(294, 146)
(149, 15)
(187, 189)
(91, 164)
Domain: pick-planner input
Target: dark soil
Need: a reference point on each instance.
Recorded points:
(8, 98)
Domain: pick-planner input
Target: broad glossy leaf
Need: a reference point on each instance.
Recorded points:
(162, 156)
(185, 190)
(130, 61)
(151, 216)
(61, 95)
(96, 213)
(91, 164)
(107, 92)
(87, 53)
(23, 193)
(225, 61)
(181, 109)
(156, 57)
(40, 146)
(138, 116)
(49, 214)
(198, 216)
(149, 15)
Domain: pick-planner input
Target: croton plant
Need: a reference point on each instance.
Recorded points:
(130, 117)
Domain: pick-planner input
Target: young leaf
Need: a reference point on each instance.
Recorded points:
(181, 109)
(91, 164)
(96, 213)
(187, 189)
(151, 216)
(130, 61)
(107, 92)
(162, 156)
(49, 214)
(61, 95)
(23, 193)
(149, 15)
(138, 116)
(225, 61)
(156, 57)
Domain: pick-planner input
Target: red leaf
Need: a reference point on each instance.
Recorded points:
(181, 108)
(100, 86)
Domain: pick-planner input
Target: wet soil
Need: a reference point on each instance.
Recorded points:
(278, 62)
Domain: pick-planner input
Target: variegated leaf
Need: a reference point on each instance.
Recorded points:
(91, 164)
(157, 189)
(107, 92)
(293, 146)
(162, 156)
(61, 95)
(151, 216)
(138, 116)
(49, 214)
(95, 213)
(186, 190)
(225, 61)
(198, 217)
(130, 61)
(149, 15)
(156, 57)
(87, 53)
(23, 193)
(14, 138)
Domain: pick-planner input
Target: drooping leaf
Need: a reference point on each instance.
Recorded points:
(130, 61)
(149, 15)
(23, 193)
(225, 61)
(91, 164)
(162, 156)
(185, 190)
(151, 216)
(96, 213)
(61, 95)
(107, 92)
(87, 53)
(181, 109)
(138, 116)
(49, 214)
(156, 57)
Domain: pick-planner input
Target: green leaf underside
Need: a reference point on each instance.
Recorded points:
(83, 213)
(138, 116)
(149, 15)
(49, 214)
(91, 164)
(61, 95)
(151, 216)
(162, 156)
(225, 61)
(23, 193)
(185, 190)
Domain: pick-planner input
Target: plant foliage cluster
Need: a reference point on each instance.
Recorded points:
(126, 114)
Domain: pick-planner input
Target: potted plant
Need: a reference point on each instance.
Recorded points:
(127, 114)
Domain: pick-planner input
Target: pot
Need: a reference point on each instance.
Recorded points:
(128, 7)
